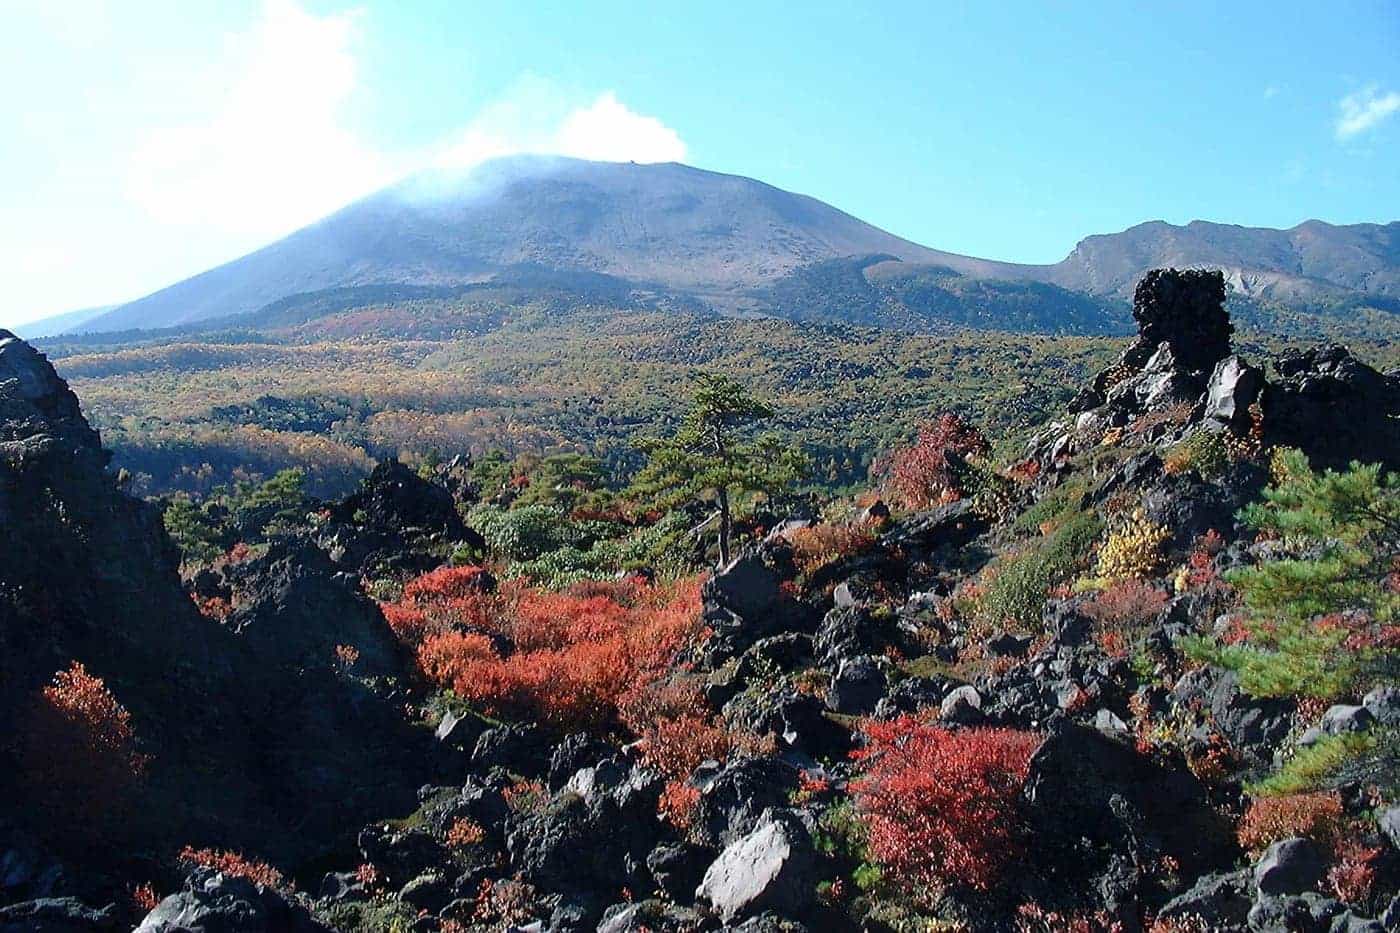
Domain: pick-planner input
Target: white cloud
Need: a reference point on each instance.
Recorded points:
(1271, 92)
(276, 151)
(606, 131)
(1364, 109)
(538, 117)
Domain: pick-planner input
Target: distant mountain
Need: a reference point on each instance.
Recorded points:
(1310, 261)
(740, 245)
(60, 323)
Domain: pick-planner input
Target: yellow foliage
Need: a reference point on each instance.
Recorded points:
(1134, 549)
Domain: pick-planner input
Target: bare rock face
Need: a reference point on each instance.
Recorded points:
(246, 733)
(1185, 309)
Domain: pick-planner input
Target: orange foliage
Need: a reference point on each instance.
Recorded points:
(818, 545)
(573, 655)
(1269, 819)
(678, 803)
(234, 864)
(144, 898)
(78, 748)
(464, 832)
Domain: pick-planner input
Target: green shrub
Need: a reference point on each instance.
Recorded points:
(1052, 508)
(196, 534)
(1204, 451)
(1017, 592)
(524, 533)
(1310, 768)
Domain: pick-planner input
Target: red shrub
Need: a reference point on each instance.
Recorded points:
(675, 726)
(678, 804)
(919, 476)
(1032, 918)
(463, 832)
(1128, 601)
(1269, 819)
(574, 653)
(233, 863)
(941, 805)
(1354, 876)
(144, 898)
(78, 748)
(213, 607)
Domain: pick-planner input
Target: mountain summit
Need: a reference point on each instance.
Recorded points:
(723, 239)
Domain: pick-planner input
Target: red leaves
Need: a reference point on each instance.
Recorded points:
(572, 655)
(920, 476)
(941, 805)
(1269, 819)
(233, 864)
(79, 749)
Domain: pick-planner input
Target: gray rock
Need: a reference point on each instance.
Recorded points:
(857, 687)
(1234, 386)
(1341, 719)
(430, 892)
(962, 705)
(1107, 721)
(772, 868)
(1384, 704)
(1305, 913)
(55, 915)
(1290, 866)
(1220, 900)
(1389, 823)
(213, 902)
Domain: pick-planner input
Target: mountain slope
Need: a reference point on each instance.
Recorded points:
(666, 226)
(1309, 261)
(731, 242)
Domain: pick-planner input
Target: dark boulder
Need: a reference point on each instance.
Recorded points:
(733, 799)
(1186, 310)
(1334, 408)
(1221, 900)
(521, 749)
(394, 497)
(1102, 816)
(677, 868)
(247, 733)
(949, 526)
(857, 686)
(1253, 725)
(1289, 866)
(582, 844)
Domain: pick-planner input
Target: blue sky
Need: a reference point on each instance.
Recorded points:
(146, 141)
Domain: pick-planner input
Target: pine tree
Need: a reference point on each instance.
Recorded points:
(708, 460)
(1321, 617)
